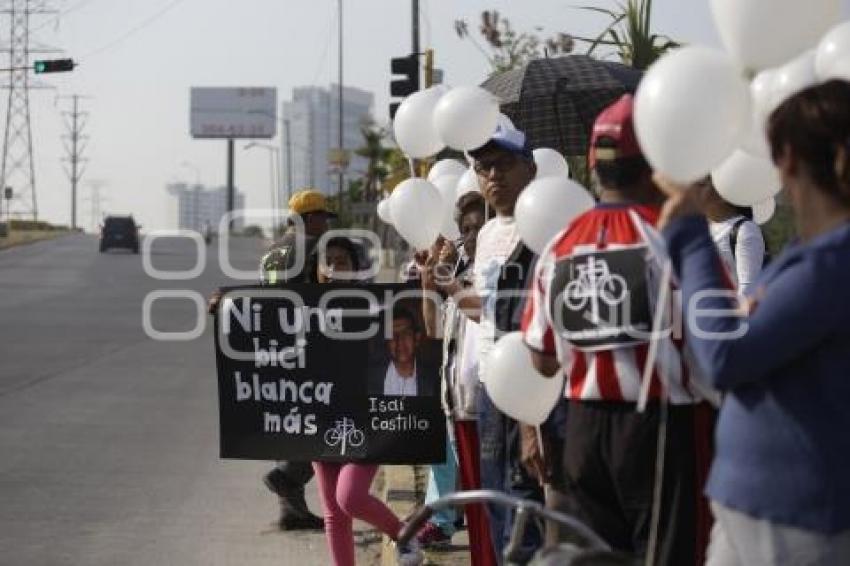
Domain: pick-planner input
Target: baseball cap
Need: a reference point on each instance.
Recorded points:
(614, 133)
(506, 137)
(310, 200)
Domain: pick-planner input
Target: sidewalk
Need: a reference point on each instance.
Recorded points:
(403, 489)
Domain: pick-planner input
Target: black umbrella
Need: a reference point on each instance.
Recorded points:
(555, 101)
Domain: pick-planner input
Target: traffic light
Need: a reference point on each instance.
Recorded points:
(408, 68)
(53, 66)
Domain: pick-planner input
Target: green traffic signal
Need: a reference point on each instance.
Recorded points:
(53, 66)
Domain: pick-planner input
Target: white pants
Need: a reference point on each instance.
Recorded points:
(738, 539)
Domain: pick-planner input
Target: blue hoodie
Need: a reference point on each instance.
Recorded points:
(783, 436)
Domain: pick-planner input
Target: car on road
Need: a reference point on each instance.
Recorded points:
(119, 232)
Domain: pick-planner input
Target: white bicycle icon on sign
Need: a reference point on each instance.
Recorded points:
(595, 282)
(345, 435)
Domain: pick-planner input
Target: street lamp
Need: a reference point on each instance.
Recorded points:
(274, 157)
(284, 123)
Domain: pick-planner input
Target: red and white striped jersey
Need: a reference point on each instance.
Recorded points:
(592, 303)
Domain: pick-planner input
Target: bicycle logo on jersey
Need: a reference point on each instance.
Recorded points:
(600, 300)
(345, 435)
(595, 283)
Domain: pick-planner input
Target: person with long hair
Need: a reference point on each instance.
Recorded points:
(738, 238)
(780, 481)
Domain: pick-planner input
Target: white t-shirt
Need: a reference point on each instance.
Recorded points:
(496, 240)
(746, 263)
(395, 384)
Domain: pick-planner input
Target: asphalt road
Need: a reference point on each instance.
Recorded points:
(108, 438)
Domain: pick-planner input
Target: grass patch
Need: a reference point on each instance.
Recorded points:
(20, 237)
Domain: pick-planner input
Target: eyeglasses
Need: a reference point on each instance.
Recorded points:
(501, 164)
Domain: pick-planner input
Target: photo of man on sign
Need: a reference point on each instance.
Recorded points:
(406, 363)
(334, 372)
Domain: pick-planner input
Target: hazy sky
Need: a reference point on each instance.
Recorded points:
(139, 110)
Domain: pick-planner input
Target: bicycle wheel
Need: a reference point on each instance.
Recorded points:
(356, 438)
(332, 437)
(613, 289)
(574, 296)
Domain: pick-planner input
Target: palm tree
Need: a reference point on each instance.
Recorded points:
(630, 34)
(373, 149)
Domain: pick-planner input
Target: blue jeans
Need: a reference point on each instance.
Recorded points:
(502, 471)
(442, 480)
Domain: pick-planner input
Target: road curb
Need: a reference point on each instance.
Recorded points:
(402, 496)
(403, 490)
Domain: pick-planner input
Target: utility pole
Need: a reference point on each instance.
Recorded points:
(95, 201)
(414, 44)
(75, 145)
(341, 113)
(231, 189)
(288, 160)
(429, 68)
(17, 166)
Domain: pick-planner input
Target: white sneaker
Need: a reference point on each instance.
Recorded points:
(410, 554)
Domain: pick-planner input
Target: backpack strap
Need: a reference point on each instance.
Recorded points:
(733, 235)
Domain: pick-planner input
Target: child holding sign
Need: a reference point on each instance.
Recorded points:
(344, 488)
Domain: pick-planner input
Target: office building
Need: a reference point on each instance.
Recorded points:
(196, 207)
(313, 119)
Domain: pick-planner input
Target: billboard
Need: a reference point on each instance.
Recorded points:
(233, 112)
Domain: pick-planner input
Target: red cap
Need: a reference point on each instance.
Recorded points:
(616, 125)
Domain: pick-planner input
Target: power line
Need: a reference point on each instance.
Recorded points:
(95, 200)
(75, 146)
(17, 168)
(64, 12)
(134, 30)
(324, 56)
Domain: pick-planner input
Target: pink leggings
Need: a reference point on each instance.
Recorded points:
(344, 489)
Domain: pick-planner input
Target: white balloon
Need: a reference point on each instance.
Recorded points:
(833, 54)
(466, 117)
(745, 180)
(413, 124)
(761, 90)
(798, 74)
(384, 212)
(449, 229)
(546, 206)
(550, 163)
(416, 207)
(447, 186)
(765, 33)
(692, 110)
(515, 387)
(446, 167)
(468, 183)
(764, 211)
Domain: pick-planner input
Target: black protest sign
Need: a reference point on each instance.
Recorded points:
(599, 300)
(303, 371)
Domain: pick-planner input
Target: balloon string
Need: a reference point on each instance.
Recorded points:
(658, 320)
(540, 442)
